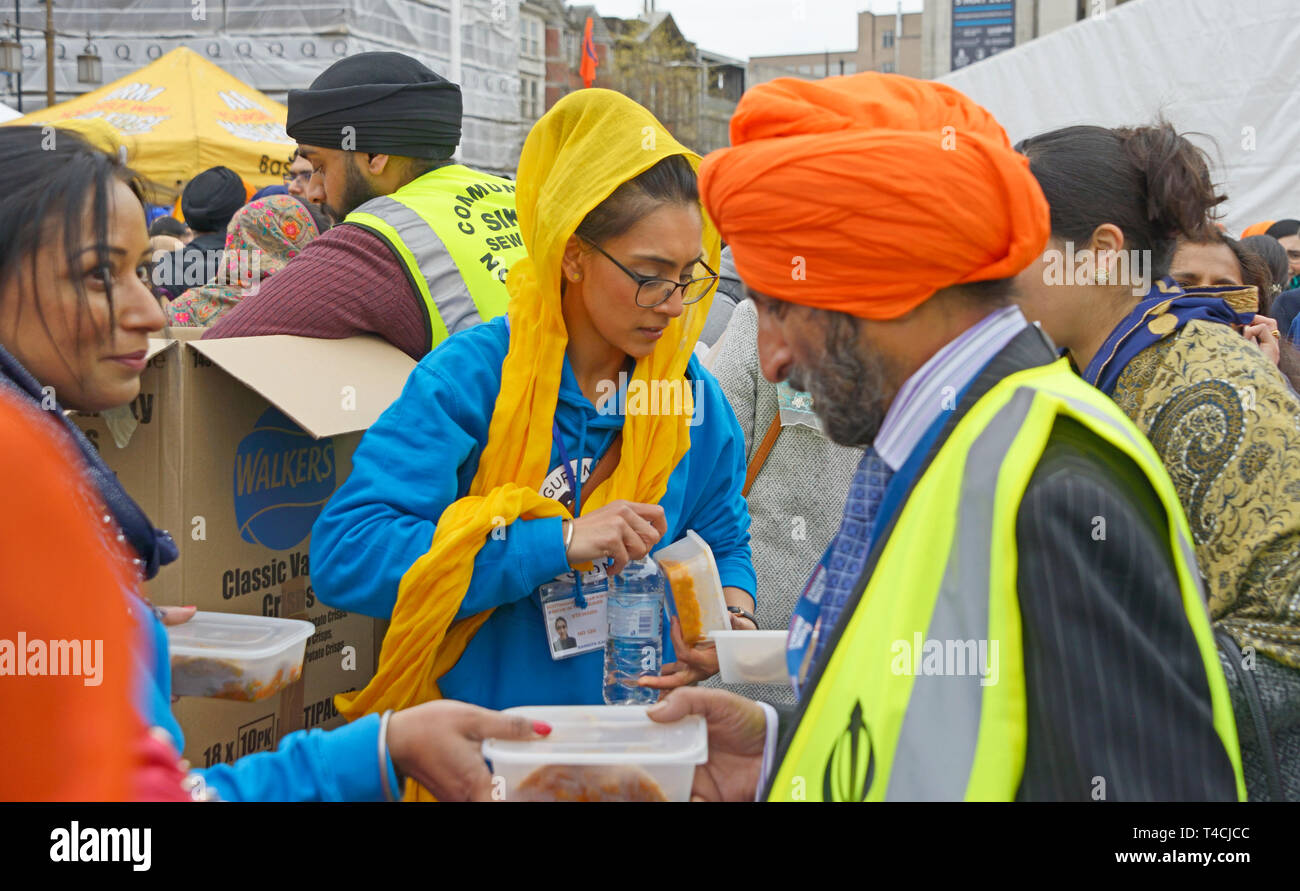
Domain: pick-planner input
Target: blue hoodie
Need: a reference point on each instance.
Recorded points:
(422, 454)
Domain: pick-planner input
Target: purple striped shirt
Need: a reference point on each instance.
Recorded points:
(935, 385)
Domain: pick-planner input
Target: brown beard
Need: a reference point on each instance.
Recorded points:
(357, 190)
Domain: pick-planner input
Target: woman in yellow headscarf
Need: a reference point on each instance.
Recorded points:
(458, 508)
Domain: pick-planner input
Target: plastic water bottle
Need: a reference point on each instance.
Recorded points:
(634, 647)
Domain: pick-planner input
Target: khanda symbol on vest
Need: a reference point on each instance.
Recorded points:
(850, 767)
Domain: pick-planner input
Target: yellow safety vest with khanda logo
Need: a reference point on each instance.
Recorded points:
(874, 728)
(453, 211)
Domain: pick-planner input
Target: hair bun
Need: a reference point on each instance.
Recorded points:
(1179, 191)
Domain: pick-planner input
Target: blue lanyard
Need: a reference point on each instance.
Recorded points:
(578, 599)
(575, 486)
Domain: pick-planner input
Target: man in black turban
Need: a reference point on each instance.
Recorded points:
(207, 203)
(370, 124)
(211, 199)
(423, 244)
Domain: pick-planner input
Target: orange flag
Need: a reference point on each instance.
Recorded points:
(589, 60)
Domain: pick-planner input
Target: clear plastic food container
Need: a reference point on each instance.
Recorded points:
(694, 587)
(752, 657)
(230, 656)
(600, 753)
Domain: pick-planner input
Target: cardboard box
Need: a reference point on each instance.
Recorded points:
(237, 445)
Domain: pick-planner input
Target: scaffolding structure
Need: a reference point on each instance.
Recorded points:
(276, 47)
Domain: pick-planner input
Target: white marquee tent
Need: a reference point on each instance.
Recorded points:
(1229, 69)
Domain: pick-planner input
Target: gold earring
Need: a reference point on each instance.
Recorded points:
(576, 276)
(1103, 276)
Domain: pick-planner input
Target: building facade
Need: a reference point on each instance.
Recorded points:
(957, 33)
(514, 61)
(656, 65)
(565, 26)
(532, 60)
(809, 66)
(882, 46)
(723, 86)
(691, 91)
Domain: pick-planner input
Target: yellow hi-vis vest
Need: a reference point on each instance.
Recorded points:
(874, 727)
(458, 212)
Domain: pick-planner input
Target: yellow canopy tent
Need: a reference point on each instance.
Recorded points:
(178, 116)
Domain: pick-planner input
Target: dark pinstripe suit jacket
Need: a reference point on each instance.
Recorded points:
(1118, 703)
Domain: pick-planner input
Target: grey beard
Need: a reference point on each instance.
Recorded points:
(848, 388)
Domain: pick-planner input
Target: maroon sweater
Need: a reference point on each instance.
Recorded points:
(345, 282)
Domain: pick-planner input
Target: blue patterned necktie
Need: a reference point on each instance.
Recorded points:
(852, 544)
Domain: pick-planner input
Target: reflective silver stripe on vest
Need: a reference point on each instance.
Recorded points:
(936, 743)
(446, 286)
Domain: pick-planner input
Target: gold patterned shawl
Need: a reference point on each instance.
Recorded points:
(1227, 427)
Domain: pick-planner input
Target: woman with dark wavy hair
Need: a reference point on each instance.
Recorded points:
(1284, 304)
(76, 313)
(1222, 418)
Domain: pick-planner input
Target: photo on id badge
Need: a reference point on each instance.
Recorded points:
(574, 628)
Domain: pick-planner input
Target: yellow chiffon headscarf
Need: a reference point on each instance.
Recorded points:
(591, 142)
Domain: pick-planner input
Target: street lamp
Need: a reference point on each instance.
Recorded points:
(90, 67)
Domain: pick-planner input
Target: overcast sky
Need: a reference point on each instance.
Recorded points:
(744, 28)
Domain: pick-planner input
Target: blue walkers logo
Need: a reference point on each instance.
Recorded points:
(283, 477)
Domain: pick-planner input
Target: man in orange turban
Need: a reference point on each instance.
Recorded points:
(1010, 609)
(1260, 228)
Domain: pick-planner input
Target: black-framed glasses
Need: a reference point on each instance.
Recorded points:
(652, 291)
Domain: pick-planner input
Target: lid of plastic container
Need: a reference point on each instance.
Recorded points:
(752, 657)
(603, 734)
(695, 555)
(763, 641)
(233, 636)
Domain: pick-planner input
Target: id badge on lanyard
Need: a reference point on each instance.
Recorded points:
(573, 604)
(806, 628)
(574, 627)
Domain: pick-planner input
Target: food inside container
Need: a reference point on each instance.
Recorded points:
(229, 656)
(752, 657)
(589, 782)
(694, 588)
(600, 753)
